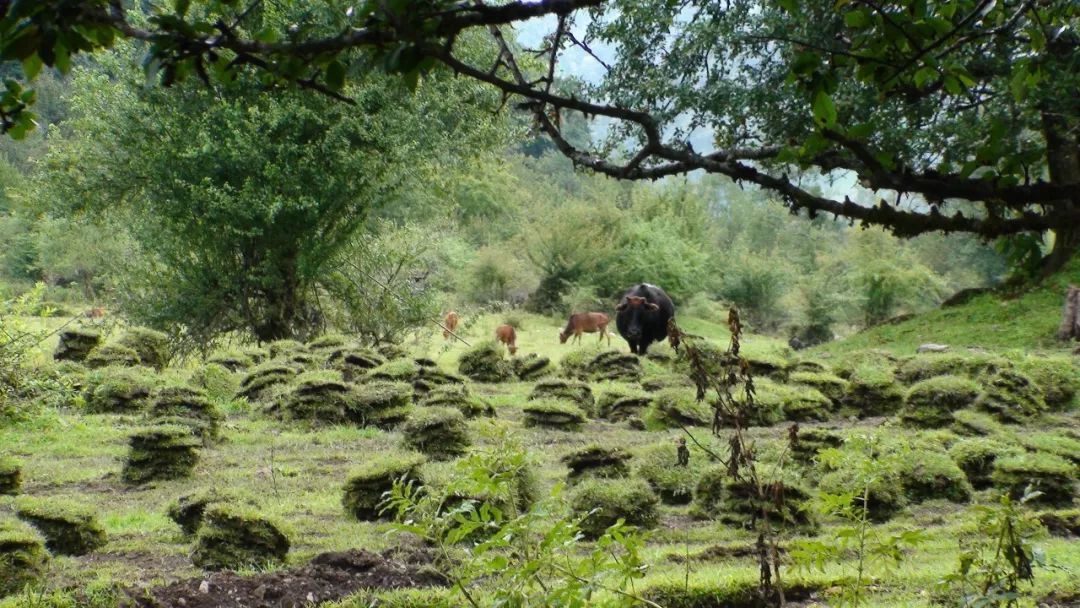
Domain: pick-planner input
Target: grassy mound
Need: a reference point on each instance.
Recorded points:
(232, 360)
(152, 347)
(318, 396)
(931, 365)
(658, 382)
(458, 397)
(326, 343)
(931, 474)
(1054, 443)
(726, 592)
(735, 502)
(161, 453)
(554, 413)
(970, 422)
(69, 528)
(188, 510)
(76, 343)
(1051, 475)
(930, 403)
(382, 403)
(595, 460)
(1011, 397)
(10, 476)
(430, 377)
(484, 362)
(261, 381)
(770, 365)
(353, 362)
(285, 348)
(1061, 523)
(438, 432)
(366, 485)
(118, 390)
(617, 403)
(219, 383)
(112, 355)
(569, 390)
(390, 351)
(232, 537)
(810, 441)
(398, 370)
(188, 406)
(873, 391)
(832, 386)
(615, 366)
(775, 402)
(1057, 377)
(885, 495)
(602, 502)
(680, 407)
(22, 556)
(976, 457)
(531, 366)
(658, 466)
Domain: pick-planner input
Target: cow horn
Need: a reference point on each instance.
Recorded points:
(652, 306)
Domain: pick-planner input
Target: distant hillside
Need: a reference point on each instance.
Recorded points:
(991, 321)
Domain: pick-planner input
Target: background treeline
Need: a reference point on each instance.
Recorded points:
(210, 212)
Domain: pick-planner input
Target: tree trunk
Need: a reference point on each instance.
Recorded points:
(1070, 319)
(1063, 162)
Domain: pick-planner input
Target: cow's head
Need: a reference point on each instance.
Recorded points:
(563, 335)
(636, 302)
(632, 309)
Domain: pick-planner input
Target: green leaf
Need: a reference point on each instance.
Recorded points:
(824, 110)
(32, 66)
(953, 85)
(791, 6)
(858, 18)
(335, 75)
(925, 75)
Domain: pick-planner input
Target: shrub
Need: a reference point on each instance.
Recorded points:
(458, 397)
(365, 486)
(10, 476)
(1052, 475)
(658, 466)
(118, 390)
(188, 510)
(570, 390)
(484, 363)
(976, 457)
(112, 354)
(832, 386)
(1011, 397)
(438, 432)
(736, 502)
(218, 381)
(353, 362)
(873, 391)
(22, 556)
(929, 474)
(187, 406)
(680, 407)
(69, 528)
(261, 381)
(619, 403)
(930, 403)
(554, 413)
(530, 366)
(603, 502)
(595, 460)
(232, 537)
(76, 344)
(1057, 377)
(152, 347)
(232, 360)
(383, 404)
(160, 453)
(885, 496)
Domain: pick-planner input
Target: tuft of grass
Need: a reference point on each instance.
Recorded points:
(69, 528)
(930, 403)
(602, 502)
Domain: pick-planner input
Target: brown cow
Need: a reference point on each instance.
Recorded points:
(585, 322)
(450, 323)
(94, 313)
(507, 335)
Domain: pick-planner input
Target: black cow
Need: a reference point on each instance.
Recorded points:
(642, 316)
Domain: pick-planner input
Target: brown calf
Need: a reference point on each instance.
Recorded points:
(585, 322)
(94, 313)
(450, 324)
(507, 335)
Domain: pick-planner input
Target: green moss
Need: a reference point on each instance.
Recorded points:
(885, 497)
(976, 457)
(188, 404)
(832, 386)
(188, 510)
(812, 440)
(400, 370)
(658, 466)
(617, 403)
(76, 343)
(118, 390)
(736, 501)
(112, 355)
(232, 360)
(1011, 397)
(928, 475)
(353, 361)
(484, 362)
(931, 403)
(603, 502)
(554, 413)
(152, 347)
(970, 422)
(1057, 377)
(1065, 522)
(22, 556)
(775, 402)
(383, 404)
(458, 397)
(930, 365)
(1051, 475)
(69, 528)
(161, 452)
(531, 366)
(10, 476)
(367, 484)
(438, 432)
(260, 382)
(595, 460)
(570, 390)
(233, 537)
(873, 391)
(680, 407)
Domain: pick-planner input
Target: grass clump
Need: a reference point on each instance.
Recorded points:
(774, 402)
(218, 381)
(1011, 397)
(10, 476)
(734, 501)
(931, 365)
(1054, 443)
(1057, 377)
(112, 355)
(318, 396)
(873, 391)
(1065, 522)
(232, 360)
(69, 528)
(976, 456)
(618, 403)
(770, 365)
(602, 502)
(118, 390)
(726, 592)
(812, 440)
(885, 493)
(384, 404)
(658, 382)
(931, 403)
(597, 461)
(188, 406)
(22, 556)
(398, 370)
(188, 510)
(285, 348)
(326, 343)
(366, 485)
(458, 397)
(438, 432)
(1051, 475)
(680, 407)
(570, 390)
(261, 381)
(160, 452)
(929, 474)
(531, 366)
(430, 377)
(233, 537)
(76, 344)
(615, 366)
(658, 465)
(832, 386)
(152, 347)
(554, 413)
(485, 363)
(353, 361)
(971, 422)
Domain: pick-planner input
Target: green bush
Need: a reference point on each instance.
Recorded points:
(188, 406)
(152, 347)
(438, 432)
(10, 476)
(1051, 475)
(118, 390)
(554, 413)
(570, 390)
(69, 528)
(602, 502)
(76, 343)
(595, 460)
(531, 366)
(873, 391)
(735, 501)
(366, 485)
(885, 497)
(617, 403)
(929, 474)
(976, 457)
(484, 362)
(680, 407)
(658, 465)
(233, 537)
(22, 556)
(1057, 377)
(930, 403)
(160, 453)
(832, 386)
(108, 355)
(1011, 397)
(188, 510)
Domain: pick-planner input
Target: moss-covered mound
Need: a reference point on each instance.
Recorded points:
(554, 413)
(931, 365)
(1061, 523)
(233, 537)
(775, 402)
(680, 407)
(971, 422)
(1051, 442)
(22, 556)
(381, 403)
(318, 396)
(118, 390)
(232, 360)
(188, 510)
(873, 391)
(458, 397)
(217, 381)
(354, 361)
(430, 377)
(285, 348)
(531, 366)
(367, 484)
(189, 406)
(108, 355)
(930, 403)
(575, 364)
(595, 460)
(484, 362)
(1053, 476)
(1011, 397)
(615, 366)
(438, 432)
(160, 453)
(928, 475)
(570, 390)
(769, 365)
(617, 403)
(326, 343)
(76, 343)
(602, 502)
(10, 476)
(1057, 377)
(885, 498)
(832, 386)
(391, 351)
(976, 457)
(736, 502)
(398, 370)
(656, 383)
(69, 528)
(850, 363)
(659, 466)
(262, 380)
(808, 442)
(152, 347)
(727, 592)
